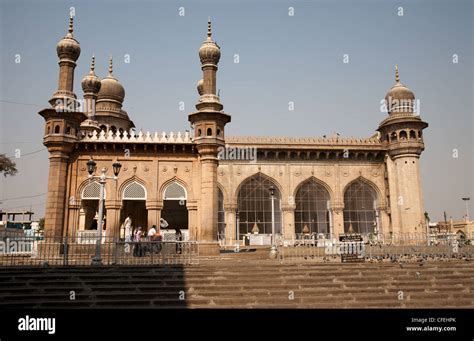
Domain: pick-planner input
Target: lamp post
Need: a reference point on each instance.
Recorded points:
(273, 249)
(91, 167)
(466, 200)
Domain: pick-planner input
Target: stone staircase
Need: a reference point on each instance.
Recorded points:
(242, 281)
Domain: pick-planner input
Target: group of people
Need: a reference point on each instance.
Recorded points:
(154, 236)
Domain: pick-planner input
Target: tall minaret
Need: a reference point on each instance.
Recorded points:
(91, 86)
(402, 134)
(68, 51)
(209, 121)
(62, 123)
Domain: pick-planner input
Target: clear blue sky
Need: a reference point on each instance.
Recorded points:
(282, 58)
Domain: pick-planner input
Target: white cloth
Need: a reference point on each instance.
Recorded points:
(128, 222)
(151, 232)
(163, 223)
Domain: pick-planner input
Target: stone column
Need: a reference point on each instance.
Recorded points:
(337, 212)
(154, 208)
(56, 199)
(193, 220)
(288, 228)
(113, 222)
(73, 219)
(230, 223)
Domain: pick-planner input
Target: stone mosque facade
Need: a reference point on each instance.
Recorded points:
(216, 187)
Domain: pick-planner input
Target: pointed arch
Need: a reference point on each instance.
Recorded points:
(90, 190)
(368, 182)
(312, 201)
(134, 179)
(361, 213)
(316, 180)
(272, 180)
(134, 191)
(179, 188)
(254, 204)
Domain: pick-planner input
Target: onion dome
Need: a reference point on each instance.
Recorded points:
(91, 83)
(209, 52)
(68, 47)
(110, 87)
(399, 98)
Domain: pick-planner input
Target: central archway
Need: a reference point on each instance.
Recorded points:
(134, 204)
(174, 210)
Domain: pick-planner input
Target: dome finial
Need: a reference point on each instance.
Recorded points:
(110, 66)
(397, 76)
(209, 29)
(71, 25)
(93, 64)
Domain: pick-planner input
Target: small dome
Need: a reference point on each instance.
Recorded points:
(110, 88)
(209, 52)
(91, 83)
(68, 47)
(399, 98)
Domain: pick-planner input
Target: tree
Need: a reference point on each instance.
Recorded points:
(41, 224)
(7, 166)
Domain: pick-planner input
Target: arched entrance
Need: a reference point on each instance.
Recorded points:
(360, 202)
(88, 214)
(134, 204)
(255, 206)
(312, 208)
(174, 210)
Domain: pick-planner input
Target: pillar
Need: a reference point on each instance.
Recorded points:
(230, 223)
(337, 213)
(288, 228)
(154, 208)
(193, 220)
(113, 208)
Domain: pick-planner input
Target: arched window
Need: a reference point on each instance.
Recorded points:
(403, 135)
(419, 134)
(114, 129)
(121, 132)
(255, 206)
(103, 127)
(412, 135)
(199, 132)
(359, 208)
(175, 191)
(209, 132)
(218, 132)
(393, 137)
(92, 191)
(68, 130)
(56, 129)
(312, 208)
(134, 191)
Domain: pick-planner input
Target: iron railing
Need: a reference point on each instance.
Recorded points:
(48, 249)
(377, 247)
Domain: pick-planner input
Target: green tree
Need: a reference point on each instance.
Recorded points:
(7, 166)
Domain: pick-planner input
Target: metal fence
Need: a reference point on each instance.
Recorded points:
(404, 247)
(44, 250)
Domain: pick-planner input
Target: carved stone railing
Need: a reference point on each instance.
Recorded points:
(140, 137)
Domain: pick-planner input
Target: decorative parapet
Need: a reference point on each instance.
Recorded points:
(140, 137)
(330, 141)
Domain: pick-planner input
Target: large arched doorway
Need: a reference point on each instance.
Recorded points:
(134, 204)
(312, 213)
(89, 211)
(255, 206)
(174, 207)
(360, 214)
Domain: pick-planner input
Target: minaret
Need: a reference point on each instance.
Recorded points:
(91, 86)
(402, 134)
(61, 133)
(209, 121)
(68, 51)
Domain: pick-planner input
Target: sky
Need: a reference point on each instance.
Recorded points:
(281, 58)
